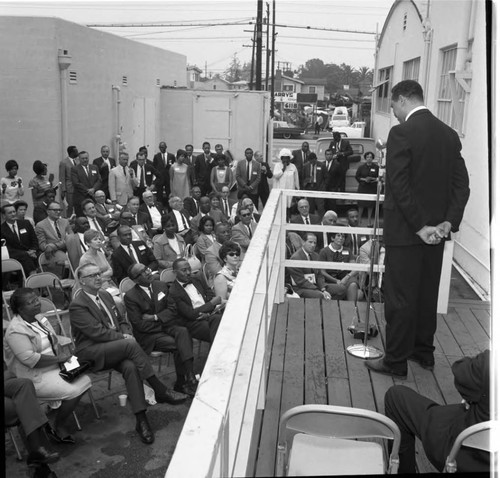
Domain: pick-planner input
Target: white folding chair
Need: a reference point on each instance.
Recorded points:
(65, 283)
(11, 265)
(125, 285)
(322, 440)
(476, 436)
(167, 276)
(48, 281)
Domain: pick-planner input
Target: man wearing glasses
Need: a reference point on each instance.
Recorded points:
(51, 234)
(155, 329)
(243, 232)
(104, 337)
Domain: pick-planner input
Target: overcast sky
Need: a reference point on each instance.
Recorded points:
(214, 46)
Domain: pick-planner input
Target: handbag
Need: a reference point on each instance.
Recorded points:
(71, 375)
(190, 256)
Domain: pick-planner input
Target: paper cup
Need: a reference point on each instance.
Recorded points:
(123, 400)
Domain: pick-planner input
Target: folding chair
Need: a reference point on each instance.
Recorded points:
(326, 440)
(47, 281)
(49, 309)
(125, 285)
(167, 276)
(476, 436)
(66, 283)
(11, 265)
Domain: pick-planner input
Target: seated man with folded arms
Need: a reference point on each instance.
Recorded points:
(155, 329)
(193, 304)
(104, 337)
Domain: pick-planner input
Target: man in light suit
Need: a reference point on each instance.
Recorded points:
(243, 232)
(247, 177)
(105, 165)
(193, 304)
(104, 337)
(155, 329)
(20, 239)
(75, 244)
(163, 159)
(51, 233)
(427, 189)
(86, 181)
(65, 167)
(122, 181)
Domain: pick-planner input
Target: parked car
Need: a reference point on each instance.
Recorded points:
(282, 129)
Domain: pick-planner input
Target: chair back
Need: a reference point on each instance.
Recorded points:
(333, 421)
(42, 261)
(49, 309)
(125, 285)
(167, 276)
(11, 265)
(476, 436)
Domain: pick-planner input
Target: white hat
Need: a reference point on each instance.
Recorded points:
(285, 152)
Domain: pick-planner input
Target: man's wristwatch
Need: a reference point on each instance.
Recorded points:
(323, 289)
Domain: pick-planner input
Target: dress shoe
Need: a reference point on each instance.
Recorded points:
(42, 455)
(188, 387)
(53, 435)
(171, 396)
(426, 364)
(380, 366)
(144, 431)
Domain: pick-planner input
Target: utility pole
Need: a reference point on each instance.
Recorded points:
(253, 57)
(272, 58)
(258, 65)
(266, 87)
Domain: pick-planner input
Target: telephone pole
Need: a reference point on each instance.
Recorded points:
(253, 57)
(266, 87)
(258, 58)
(272, 58)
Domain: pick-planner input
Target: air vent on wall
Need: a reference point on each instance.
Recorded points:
(158, 82)
(124, 81)
(405, 19)
(73, 78)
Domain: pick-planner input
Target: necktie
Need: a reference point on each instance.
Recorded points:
(197, 206)
(354, 244)
(250, 231)
(186, 283)
(329, 164)
(249, 171)
(97, 225)
(131, 254)
(15, 230)
(57, 230)
(87, 170)
(105, 312)
(184, 223)
(163, 156)
(124, 171)
(226, 208)
(84, 246)
(307, 220)
(314, 173)
(142, 177)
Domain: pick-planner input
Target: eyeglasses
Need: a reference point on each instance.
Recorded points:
(92, 276)
(246, 215)
(55, 210)
(232, 254)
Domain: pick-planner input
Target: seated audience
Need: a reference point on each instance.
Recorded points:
(193, 303)
(32, 351)
(206, 237)
(40, 209)
(225, 279)
(155, 211)
(20, 239)
(213, 263)
(154, 327)
(304, 217)
(75, 243)
(437, 426)
(21, 402)
(354, 241)
(51, 233)
(130, 252)
(329, 219)
(243, 232)
(205, 209)
(103, 336)
(169, 246)
(12, 184)
(22, 209)
(182, 218)
(107, 214)
(138, 232)
(95, 223)
(226, 204)
(140, 220)
(310, 282)
(344, 282)
(192, 203)
(248, 203)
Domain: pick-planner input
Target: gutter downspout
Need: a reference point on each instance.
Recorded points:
(427, 31)
(64, 60)
(118, 129)
(375, 80)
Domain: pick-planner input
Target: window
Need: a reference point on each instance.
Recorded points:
(287, 87)
(444, 103)
(411, 69)
(73, 79)
(312, 89)
(384, 90)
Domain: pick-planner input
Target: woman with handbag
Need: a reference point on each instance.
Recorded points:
(32, 351)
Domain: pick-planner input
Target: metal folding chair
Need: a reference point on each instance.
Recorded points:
(11, 265)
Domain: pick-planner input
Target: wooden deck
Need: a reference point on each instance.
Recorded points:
(309, 364)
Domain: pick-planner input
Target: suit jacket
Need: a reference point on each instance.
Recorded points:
(202, 170)
(298, 159)
(82, 182)
(26, 241)
(159, 163)
(239, 234)
(190, 206)
(104, 171)
(241, 177)
(164, 252)
(350, 241)
(297, 274)
(313, 219)
(150, 172)
(334, 176)
(74, 249)
(46, 233)
(230, 204)
(90, 326)
(121, 186)
(215, 214)
(255, 217)
(213, 262)
(105, 214)
(162, 185)
(65, 167)
(137, 303)
(144, 210)
(307, 176)
(426, 180)
(180, 304)
(121, 261)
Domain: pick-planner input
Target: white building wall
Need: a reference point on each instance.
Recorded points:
(451, 23)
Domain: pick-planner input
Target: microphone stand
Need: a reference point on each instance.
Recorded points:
(365, 351)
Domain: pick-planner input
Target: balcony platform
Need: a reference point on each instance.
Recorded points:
(308, 363)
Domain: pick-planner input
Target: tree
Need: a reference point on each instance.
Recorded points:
(233, 72)
(314, 68)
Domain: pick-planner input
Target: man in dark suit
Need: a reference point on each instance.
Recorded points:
(300, 157)
(182, 219)
(104, 337)
(86, 181)
(226, 204)
(193, 303)
(313, 179)
(145, 173)
(353, 242)
(333, 178)
(105, 164)
(427, 188)
(140, 219)
(96, 223)
(247, 177)
(304, 217)
(190, 159)
(20, 239)
(192, 203)
(265, 173)
(75, 244)
(154, 210)
(163, 159)
(67, 189)
(154, 327)
(130, 252)
(108, 213)
(341, 152)
(203, 167)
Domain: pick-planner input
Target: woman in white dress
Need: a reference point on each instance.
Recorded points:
(285, 175)
(32, 351)
(180, 181)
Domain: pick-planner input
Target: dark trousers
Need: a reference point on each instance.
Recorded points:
(127, 357)
(315, 204)
(21, 401)
(183, 348)
(411, 293)
(205, 329)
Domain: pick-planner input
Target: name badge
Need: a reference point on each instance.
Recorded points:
(311, 278)
(111, 209)
(372, 170)
(94, 172)
(254, 173)
(22, 231)
(345, 253)
(318, 169)
(161, 295)
(142, 248)
(148, 173)
(363, 238)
